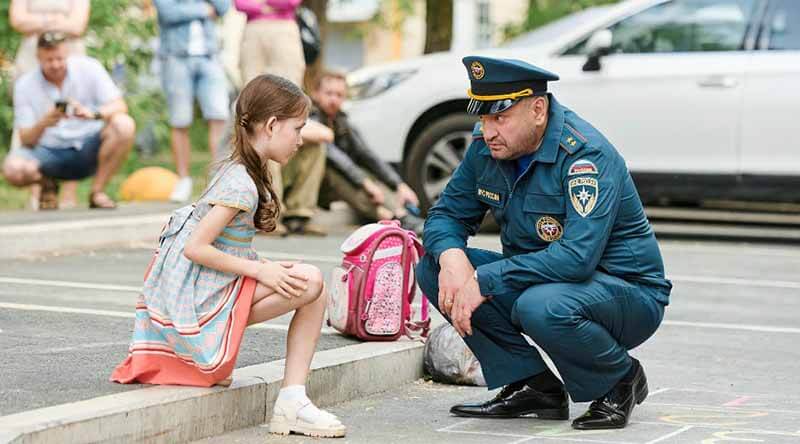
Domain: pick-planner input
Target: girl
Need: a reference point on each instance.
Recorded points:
(207, 284)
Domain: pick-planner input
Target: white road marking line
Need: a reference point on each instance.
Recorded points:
(656, 392)
(670, 435)
(724, 409)
(726, 428)
(31, 307)
(124, 314)
(69, 284)
(454, 425)
(284, 256)
(734, 281)
(742, 327)
(84, 224)
(77, 347)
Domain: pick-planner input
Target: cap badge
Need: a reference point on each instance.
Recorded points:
(477, 70)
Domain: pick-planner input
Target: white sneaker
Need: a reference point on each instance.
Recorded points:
(182, 191)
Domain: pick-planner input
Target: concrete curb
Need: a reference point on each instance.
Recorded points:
(168, 414)
(40, 238)
(32, 239)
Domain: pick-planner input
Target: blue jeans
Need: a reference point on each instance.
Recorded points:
(65, 163)
(186, 78)
(586, 328)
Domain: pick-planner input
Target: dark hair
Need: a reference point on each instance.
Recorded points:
(263, 97)
(50, 39)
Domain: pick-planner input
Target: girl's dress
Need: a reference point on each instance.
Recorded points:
(189, 318)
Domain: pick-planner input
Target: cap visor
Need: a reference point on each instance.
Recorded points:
(480, 107)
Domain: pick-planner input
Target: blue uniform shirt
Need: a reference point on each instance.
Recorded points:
(573, 211)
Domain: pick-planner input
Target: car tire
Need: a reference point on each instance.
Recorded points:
(436, 153)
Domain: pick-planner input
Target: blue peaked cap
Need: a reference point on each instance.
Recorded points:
(498, 84)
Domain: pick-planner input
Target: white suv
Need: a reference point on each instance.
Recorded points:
(700, 97)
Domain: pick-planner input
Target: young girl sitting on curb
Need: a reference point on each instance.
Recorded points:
(207, 283)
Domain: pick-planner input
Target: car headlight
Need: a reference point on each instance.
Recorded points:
(377, 84)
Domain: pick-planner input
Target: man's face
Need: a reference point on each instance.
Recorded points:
(53, 62)
(330, 95)
(515, 131)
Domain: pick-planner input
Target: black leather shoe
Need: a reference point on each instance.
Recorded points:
(613, 410)
(516, 400)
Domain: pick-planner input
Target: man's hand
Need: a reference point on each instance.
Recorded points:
(406, 195)
(80, 111)
(374, 191)
(52, 117)
(467, 300)
(212, 11)
(455, 270)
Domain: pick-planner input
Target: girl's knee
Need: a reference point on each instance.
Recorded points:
(315, 283)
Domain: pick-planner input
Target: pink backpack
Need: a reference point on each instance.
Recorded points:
(372, 292)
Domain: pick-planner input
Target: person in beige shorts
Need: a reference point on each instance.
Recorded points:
(271, 45)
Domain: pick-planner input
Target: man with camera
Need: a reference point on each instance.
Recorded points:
(73, 124)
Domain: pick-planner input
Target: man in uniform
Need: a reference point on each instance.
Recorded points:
(581, 272)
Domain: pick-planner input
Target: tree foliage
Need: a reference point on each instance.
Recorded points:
(541, 12)
(119, 35)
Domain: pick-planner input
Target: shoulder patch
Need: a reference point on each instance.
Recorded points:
(477, 131)
(582, 166)
(571, 139)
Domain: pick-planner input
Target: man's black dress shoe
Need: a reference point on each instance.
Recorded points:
(518, 399)
(613, 410)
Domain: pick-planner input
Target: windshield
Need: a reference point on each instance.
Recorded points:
(555, 29)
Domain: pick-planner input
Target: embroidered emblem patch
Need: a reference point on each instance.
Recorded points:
(583, 192)
(477, 70)
(549, 229)
(494, 197)
(581, 166)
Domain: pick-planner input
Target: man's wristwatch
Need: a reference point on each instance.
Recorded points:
(97, 115)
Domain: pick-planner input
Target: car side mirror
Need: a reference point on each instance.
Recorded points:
(599, 45)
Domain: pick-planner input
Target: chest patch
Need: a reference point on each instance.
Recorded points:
(490, 197)
(582, 166)
(549, 229)
(583, 193)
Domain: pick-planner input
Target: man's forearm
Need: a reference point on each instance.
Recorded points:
(115, 107)
(30, 136)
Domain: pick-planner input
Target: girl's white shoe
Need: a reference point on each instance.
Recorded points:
(303, 417)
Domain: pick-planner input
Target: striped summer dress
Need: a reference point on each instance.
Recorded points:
(190, 318)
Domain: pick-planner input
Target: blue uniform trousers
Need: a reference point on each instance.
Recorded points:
(586, 328)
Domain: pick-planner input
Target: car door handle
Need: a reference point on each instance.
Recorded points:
(718, 82)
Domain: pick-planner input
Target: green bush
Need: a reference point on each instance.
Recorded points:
(119, 35)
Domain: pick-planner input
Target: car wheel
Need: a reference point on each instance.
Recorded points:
(435, 155)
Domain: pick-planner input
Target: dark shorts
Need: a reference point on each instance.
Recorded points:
(65, 163)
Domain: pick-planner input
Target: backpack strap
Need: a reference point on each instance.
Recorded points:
(423, 324)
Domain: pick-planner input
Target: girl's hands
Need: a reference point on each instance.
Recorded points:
(282, 278)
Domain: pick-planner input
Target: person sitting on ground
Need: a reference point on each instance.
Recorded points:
(73, 124)
(207, 283)
(347, 158)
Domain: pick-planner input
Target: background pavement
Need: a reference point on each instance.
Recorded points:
(722, 368)
(726, 357)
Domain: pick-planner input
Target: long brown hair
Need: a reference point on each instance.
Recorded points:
(263, 97)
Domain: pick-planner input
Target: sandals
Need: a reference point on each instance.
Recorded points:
(100, 200)
(285, 421)
(48, 196)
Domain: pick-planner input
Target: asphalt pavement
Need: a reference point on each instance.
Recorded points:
(723, 365)
(722, 368)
